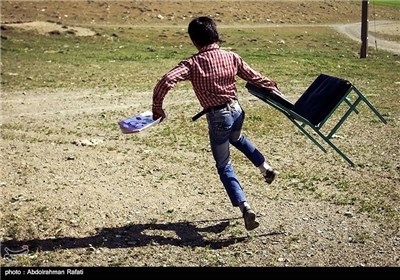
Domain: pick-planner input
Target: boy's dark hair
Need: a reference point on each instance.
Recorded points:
(203, 31)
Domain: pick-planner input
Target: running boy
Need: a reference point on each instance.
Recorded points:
(212, 72)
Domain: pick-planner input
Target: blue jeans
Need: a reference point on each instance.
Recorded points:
(224, 127)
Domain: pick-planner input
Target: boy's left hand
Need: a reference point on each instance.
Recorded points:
(159, 113)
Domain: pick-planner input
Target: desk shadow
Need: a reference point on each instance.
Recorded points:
(136, 235)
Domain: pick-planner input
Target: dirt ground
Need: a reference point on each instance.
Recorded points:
(60, 16)
(97, 198)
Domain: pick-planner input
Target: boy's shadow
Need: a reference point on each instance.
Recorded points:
(136, 235)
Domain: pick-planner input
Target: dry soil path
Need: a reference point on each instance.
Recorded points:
(353, 30)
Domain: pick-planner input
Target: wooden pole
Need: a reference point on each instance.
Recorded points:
(364, 29)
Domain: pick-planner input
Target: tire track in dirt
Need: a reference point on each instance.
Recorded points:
(353, 31)
(65, 103)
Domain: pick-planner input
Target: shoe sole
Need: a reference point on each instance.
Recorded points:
(272, 176)
(250, 221)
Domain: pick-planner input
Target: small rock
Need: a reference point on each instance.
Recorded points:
(348, 214)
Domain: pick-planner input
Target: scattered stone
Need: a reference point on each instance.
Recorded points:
(54, 32)
(348, 214)
(87, 142)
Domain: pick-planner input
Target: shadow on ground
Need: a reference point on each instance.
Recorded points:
(135, 235)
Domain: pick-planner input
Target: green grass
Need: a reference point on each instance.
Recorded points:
(394, 3)
(137, 58)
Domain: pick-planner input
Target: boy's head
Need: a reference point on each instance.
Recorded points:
(203, 31)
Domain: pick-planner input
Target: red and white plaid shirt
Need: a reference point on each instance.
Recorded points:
(212, 72)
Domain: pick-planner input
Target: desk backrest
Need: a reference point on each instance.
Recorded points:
(321, 97)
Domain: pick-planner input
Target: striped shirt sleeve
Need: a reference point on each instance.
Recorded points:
(250, 75)
(179, 73)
